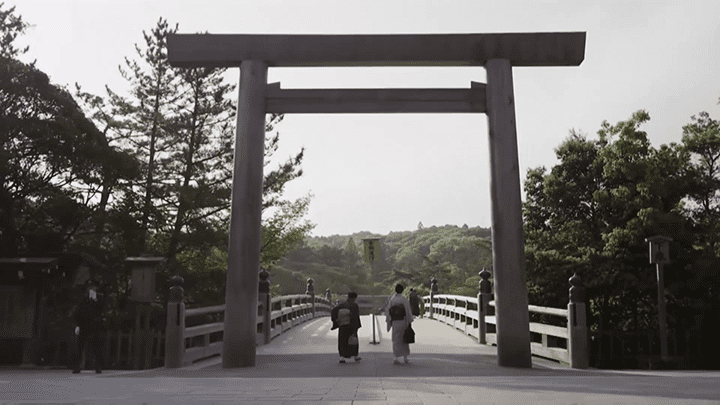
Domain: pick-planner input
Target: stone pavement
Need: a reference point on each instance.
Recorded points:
(301, 367)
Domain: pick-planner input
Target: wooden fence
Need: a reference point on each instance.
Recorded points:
(204, 340)
(461, 312)
(475, 316)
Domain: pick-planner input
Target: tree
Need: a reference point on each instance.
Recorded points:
(282, 223)
(451, 254)
(11, 26)
(110, 219)
(283, 229)
(591, 213)
(52, 158)
(146, 123)
(196, 191)
(356, 267)
(180, 123)
(702, 140)
(700, 291)
(461, 257)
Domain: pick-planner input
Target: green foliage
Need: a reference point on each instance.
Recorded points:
(11, 26)
(52, 158)
(147, 172)
(283, 228)
(180, 124)
(702, 140)
(453, 255)
(590, 214)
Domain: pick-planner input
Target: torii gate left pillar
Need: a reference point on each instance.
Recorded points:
(498, 53)
(241, 290)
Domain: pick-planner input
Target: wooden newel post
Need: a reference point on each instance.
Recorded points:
(264, 299)
(433, 292)
(175, 328)
(577, 325)
(310, 290)
(484, 298)
(328, 296)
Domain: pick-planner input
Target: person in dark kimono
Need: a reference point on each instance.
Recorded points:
(346, 318)
(414, 299)
(90, 329)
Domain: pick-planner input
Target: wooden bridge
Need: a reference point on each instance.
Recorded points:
(472, 316)
(300, 366)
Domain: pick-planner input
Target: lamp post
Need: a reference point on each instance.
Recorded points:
(660, 254)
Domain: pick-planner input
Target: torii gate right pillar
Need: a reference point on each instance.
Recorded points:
(511, 302)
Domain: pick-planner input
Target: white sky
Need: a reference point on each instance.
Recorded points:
(384, 173)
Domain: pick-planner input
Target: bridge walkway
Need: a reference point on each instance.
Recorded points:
(301, 367)
(312, 350)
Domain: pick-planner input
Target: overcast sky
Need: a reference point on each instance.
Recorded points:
(384, 173)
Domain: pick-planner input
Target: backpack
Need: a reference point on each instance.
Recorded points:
(397, 312)
(343, 317)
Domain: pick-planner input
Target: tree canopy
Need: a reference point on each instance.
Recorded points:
(146, 171)
(591, 213)
(52, 161)
(453, 255)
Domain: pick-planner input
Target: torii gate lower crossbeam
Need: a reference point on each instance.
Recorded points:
(496, 52)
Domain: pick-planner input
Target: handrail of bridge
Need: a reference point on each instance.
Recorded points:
(471, 316)
(185, 345)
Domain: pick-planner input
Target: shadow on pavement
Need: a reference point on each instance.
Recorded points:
(459, 370)
(371, 365)
(645, 386)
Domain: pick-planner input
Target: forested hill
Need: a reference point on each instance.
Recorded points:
(454, 255)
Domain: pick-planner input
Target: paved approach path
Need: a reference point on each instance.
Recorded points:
(301, 367)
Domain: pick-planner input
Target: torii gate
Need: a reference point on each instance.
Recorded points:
(498, 53)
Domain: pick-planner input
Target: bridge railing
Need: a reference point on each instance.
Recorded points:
(474, 316)
(185, 345)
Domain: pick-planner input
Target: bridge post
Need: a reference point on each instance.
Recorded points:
(175, 327)
(577, 325)
(310, 290)
(484, 298)
(433, 291)
(467, 306)
(264, 299)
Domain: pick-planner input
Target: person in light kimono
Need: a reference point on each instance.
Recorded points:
(398, 317)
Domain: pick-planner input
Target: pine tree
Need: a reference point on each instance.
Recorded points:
(146, 120)
(180, 123)
(198, 187)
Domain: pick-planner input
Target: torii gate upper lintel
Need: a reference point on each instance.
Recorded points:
(279, 50)
(498, 53)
